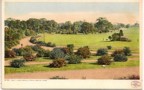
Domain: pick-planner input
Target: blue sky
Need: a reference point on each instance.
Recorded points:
(27, 7)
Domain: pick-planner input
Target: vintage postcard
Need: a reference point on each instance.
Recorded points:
(77, 44)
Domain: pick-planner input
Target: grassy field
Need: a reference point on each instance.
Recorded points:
(95, 41)
(36, 68)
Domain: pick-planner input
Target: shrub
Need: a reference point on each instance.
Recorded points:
(101, 51)
(28, 49)
(84, 52)
(37, 48)
(49, 44)
(115, 37)
(110, 37)
(57, 53)
(58, 63)
(40, 54)
(43, 53)
(71, 48)
(121, 33)
(53, 45)
(120, 57)
(65, 50)
(19, 51)
(29, 57)
(9, 54)
(42, 43)
(109, 47)
(117, 52)
(74, 59)
(104, 60)
(17, 63)
(33, 40)
(127, 51)
(46, 53)
(23, 50)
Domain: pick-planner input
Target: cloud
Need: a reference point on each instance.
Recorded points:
(76, 16)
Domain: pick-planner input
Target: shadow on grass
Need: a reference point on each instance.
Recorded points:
(106, 41)
(46, 66)
(46, 58)
(94, 63)
(15, 67)
(93, 54)
(8, 66)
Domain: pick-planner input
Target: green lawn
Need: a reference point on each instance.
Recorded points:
(95, 41)
(36, 68)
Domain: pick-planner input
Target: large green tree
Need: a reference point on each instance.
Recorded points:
(103, 25)
(86, 28)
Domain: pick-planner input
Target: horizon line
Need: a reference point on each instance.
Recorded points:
(68, 20)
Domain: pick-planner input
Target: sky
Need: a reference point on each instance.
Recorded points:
(122, 12)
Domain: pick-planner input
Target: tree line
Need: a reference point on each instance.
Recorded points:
(50, 26)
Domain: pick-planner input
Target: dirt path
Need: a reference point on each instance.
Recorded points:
(105, 73)
(25, 42)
